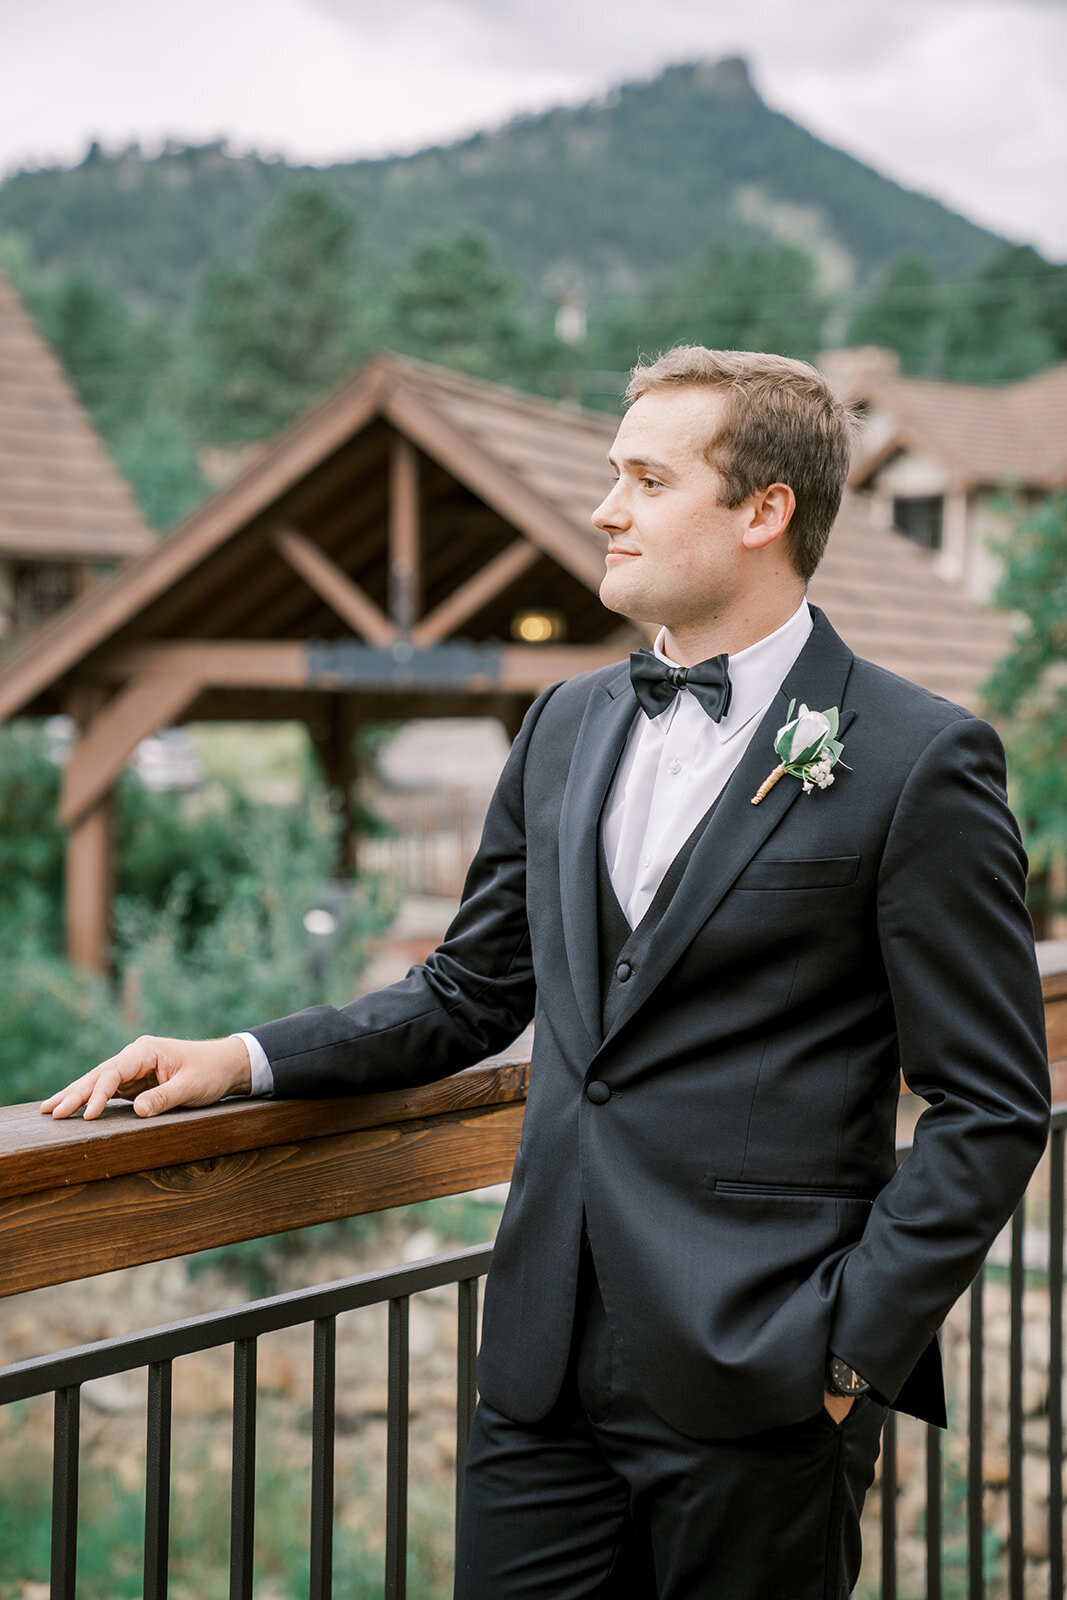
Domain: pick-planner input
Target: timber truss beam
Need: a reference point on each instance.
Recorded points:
(346, 664)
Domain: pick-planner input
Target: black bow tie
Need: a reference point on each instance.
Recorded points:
(656, 684)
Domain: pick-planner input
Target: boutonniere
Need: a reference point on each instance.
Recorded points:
(808, 748)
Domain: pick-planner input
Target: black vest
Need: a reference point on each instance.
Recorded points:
(622, 949)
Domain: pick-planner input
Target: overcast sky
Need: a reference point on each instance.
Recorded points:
(963, 99)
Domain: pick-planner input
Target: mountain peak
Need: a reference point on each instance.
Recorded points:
(730, 79)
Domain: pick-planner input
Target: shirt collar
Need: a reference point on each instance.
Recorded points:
(756, 673)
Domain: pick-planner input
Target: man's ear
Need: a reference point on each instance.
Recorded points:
(771, 511)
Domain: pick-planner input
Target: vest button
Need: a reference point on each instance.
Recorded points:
(597, 1092)
(623, 971)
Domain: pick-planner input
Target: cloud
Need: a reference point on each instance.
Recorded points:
(915, 87)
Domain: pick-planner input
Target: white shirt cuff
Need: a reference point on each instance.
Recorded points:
(262, 1076)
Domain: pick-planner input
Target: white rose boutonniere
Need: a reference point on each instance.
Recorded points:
(808, 748)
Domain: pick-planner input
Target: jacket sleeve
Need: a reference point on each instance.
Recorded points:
(472, 996)
(958, 949)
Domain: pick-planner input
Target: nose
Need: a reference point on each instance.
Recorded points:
(611, 512)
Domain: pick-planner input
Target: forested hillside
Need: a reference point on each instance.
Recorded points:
(612, 194)
(200, 302)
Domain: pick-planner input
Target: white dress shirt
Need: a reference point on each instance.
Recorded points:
(675, 765)
(672, 769)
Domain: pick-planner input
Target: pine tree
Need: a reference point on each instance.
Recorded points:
(272, 337)
(735, 297)
(906, 312)
(1028, 689)
(454, 305)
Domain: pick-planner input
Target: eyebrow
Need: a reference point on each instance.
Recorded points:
(640, 461)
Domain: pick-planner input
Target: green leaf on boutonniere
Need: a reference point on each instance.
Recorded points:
(808, 748)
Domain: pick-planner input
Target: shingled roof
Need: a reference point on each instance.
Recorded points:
(982, 434)
(534, 466)
(61, 496)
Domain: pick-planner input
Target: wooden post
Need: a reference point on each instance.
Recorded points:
(333, 736)
(90, 865)
(90, 868)
(510, 710)
(403, 535)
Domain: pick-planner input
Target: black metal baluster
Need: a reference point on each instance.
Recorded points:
(322, 1447)
(396, 1465)
(157, 1482)
(1016, 1553)
(466, 1392)
(243, 1487)
(975, 1449)
(65, 1492)
(1055, 1369)
(933, 1513)
(889, 1508)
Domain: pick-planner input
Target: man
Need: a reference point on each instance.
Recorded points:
(710, 1279)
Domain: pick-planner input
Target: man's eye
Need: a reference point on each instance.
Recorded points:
(651, 483)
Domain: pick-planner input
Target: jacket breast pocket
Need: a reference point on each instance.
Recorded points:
(811, 872)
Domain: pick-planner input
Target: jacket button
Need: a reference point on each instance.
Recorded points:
(597, 1092)
(623, 971)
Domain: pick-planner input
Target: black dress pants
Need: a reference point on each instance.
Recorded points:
(603, 1499)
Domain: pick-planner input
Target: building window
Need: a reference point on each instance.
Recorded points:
(920, 519)
(41, 589)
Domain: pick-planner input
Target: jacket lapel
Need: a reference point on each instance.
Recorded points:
(738, 828)
(601, 738)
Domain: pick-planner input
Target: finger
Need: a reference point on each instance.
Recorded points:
(162, 1097)
(92, 1090)
(64, 1101)
(116, 1076)
(106, 1085)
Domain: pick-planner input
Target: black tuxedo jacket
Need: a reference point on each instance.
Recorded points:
(737, 1173)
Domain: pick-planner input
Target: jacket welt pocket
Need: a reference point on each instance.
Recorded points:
(786, 1191)
(812, 872)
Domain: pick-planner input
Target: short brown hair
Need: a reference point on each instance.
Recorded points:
(783, 424)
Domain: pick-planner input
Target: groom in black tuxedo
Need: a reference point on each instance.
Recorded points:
(710, 1280)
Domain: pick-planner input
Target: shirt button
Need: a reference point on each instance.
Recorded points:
(597, 1092)
(646, 861)
(623, 971)
(674, 766)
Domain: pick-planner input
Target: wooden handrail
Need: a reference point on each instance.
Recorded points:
(78, 1198)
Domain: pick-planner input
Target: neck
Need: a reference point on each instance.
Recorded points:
(701, 638)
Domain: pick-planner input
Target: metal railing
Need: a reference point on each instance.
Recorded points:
(157, 1348)
(196, 1180)
(969, 1569)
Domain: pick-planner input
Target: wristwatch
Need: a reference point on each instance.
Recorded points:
(841, 1379)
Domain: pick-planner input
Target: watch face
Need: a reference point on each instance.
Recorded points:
(844, 1380)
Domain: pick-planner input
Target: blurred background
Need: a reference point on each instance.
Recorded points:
(214, 216)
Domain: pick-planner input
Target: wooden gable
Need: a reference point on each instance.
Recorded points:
(370, 565)
(61, 497)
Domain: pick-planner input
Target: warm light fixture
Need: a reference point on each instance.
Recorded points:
(536, 626)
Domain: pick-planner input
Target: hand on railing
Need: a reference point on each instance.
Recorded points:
(159, 1075)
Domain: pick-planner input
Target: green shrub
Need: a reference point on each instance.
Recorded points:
(253, 959)
(213, 890)
(57, 1022)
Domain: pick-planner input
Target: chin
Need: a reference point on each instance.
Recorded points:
(615, 597)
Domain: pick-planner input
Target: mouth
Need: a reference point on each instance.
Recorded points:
(617, 553)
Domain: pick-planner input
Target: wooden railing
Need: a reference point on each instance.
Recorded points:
(78, 1198)
(1052, 960)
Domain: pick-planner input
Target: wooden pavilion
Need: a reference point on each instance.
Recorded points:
(419, 544)
(65, 509)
